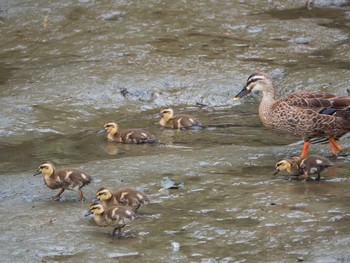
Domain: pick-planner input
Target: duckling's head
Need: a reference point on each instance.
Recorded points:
(256, 82)
(95, 209)
(45, 168)
(282, 165)
(111, 127)
(167, 113)
(103, 194)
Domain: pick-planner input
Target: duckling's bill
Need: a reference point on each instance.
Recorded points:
(101, 131)
(88, 213)
(37, 172)
(276, 172)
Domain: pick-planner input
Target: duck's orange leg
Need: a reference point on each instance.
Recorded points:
(305, 148)
(335, 147)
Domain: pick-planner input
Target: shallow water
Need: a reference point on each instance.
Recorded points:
(67, 67)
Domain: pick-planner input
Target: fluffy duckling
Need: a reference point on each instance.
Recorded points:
(304, 167)
(127, 136)
(65, 178)
(180, 121)
(122, 196)
(111, 216)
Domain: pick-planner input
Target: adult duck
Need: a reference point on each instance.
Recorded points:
(304, 114)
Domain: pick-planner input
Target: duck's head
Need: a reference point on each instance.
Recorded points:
(111, 127)
(45, 168)
(282, 165)
(167, 113)
(103, 194)
(95, 209)
(255, 82)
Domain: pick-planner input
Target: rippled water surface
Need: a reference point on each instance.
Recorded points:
(66, 67)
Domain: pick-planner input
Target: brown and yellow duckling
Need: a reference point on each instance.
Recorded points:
(116, 216)
(304, 114)
(304, 167)
(122, 196)
(179, 121)
(65, 178)
(127, 136)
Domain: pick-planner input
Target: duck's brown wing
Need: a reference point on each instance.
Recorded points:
(324, 103)
(306, 123)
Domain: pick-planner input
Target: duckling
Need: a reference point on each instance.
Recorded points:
(180, 121)
(304, 167)
(127, 136)
(122, 196)
(302, 113)
(65, 178)
(111, 216)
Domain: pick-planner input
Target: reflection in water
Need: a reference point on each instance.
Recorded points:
(111, 148)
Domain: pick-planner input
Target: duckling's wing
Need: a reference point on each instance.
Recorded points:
(76, 177)
(186, 120)
(137, 136)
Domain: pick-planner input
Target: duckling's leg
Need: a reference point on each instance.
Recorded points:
(115, 230)
(119, 229)
(57, 197)
(305, 148)
(318, 177)
(303, 177)
(335, 147)
(81, 196)
(137, 207)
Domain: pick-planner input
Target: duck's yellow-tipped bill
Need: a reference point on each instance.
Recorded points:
(235, 98)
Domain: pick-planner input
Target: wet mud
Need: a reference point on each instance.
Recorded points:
(68, 67)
